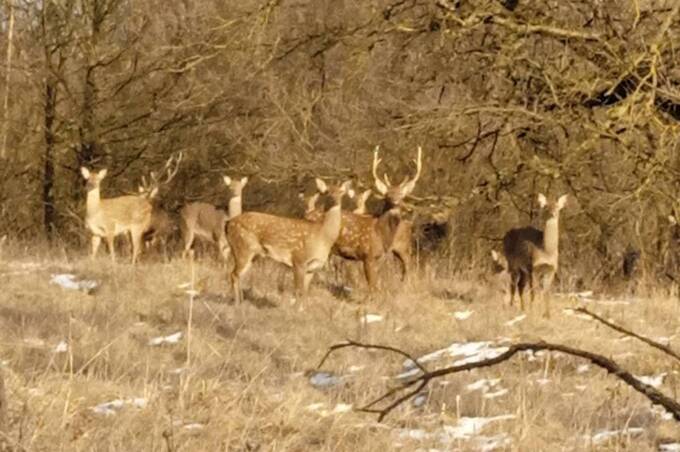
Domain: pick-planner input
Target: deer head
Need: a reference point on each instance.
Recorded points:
(150, 186)
(395, 194)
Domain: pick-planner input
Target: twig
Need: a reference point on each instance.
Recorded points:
(350, 343)
(423, 380)
(664, 348)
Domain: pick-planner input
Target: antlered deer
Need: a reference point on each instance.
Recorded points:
(394, 196)
(529, 250)
(301, 244)
(163, 225)
(110, 217)
(367, 238)
(200, 219)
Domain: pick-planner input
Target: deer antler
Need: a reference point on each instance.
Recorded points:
(381, 185)
(170, 169)
(419, 166)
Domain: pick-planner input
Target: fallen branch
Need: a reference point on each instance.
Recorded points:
(655, 396)
(664, 348)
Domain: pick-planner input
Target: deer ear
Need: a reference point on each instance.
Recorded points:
(153, 193)
(244, 180)
(562, 201)
(321, 185)
(542, 201)
(102, 174)
(227, 180)
(494, 255)
(672, 220)
(85, 172)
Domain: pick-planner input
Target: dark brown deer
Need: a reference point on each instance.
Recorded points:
(530, 251)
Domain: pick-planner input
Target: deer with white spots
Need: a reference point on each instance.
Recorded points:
(300, 244)
(530, 251)
(367, 238)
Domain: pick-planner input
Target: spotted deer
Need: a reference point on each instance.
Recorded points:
(530, 251)
(366, 238)
(203, 220)
(300, 244)
(109, 217)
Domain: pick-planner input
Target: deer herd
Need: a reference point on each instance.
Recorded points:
(305, 244)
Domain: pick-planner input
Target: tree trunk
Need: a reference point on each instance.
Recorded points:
(49, 209)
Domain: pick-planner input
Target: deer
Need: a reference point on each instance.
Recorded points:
(300, 244)
(107, 218)
(368, 238)
(204, 220)
(163, 225)
(394, 195)
(530, 251)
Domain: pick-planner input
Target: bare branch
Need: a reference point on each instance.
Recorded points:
(667, 350)
(423, 380)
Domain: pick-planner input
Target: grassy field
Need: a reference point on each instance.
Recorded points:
(239, 378)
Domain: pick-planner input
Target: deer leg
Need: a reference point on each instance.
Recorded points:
(188, 234)
(521, 284)
(369, 272)
(240, 268)
(299, 273)
(136, 243)
(548, 279)
(514, 277)
(110, 243)
(307, 281)
(530, 280)
(96, 240)
(404, 259)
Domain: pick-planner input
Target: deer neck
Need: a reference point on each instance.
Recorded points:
(235, 206)
(330, 228)
(551, 235)
(93, 200)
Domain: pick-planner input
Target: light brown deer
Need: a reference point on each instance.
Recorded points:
(301, 244)
(530, 251)
(394, 196)
(203, 220)
(110, 217)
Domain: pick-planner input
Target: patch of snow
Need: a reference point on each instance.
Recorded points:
(605, 435)
(583, 368)
(669, 447)
(61, 347)
(372, 318)
(112, 407)
(654, 381)
(462, 315)
(484, 384)
(69, 281)
(572, 312)
(517, 319)
(661, 412)
(493, 395)
(420, 399)
(324, 379)
(171, 339)
(355, 368)
(470, 351)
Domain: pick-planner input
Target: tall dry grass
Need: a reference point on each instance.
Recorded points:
(246, 383)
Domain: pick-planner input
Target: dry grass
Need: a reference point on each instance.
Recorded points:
(245, 380)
